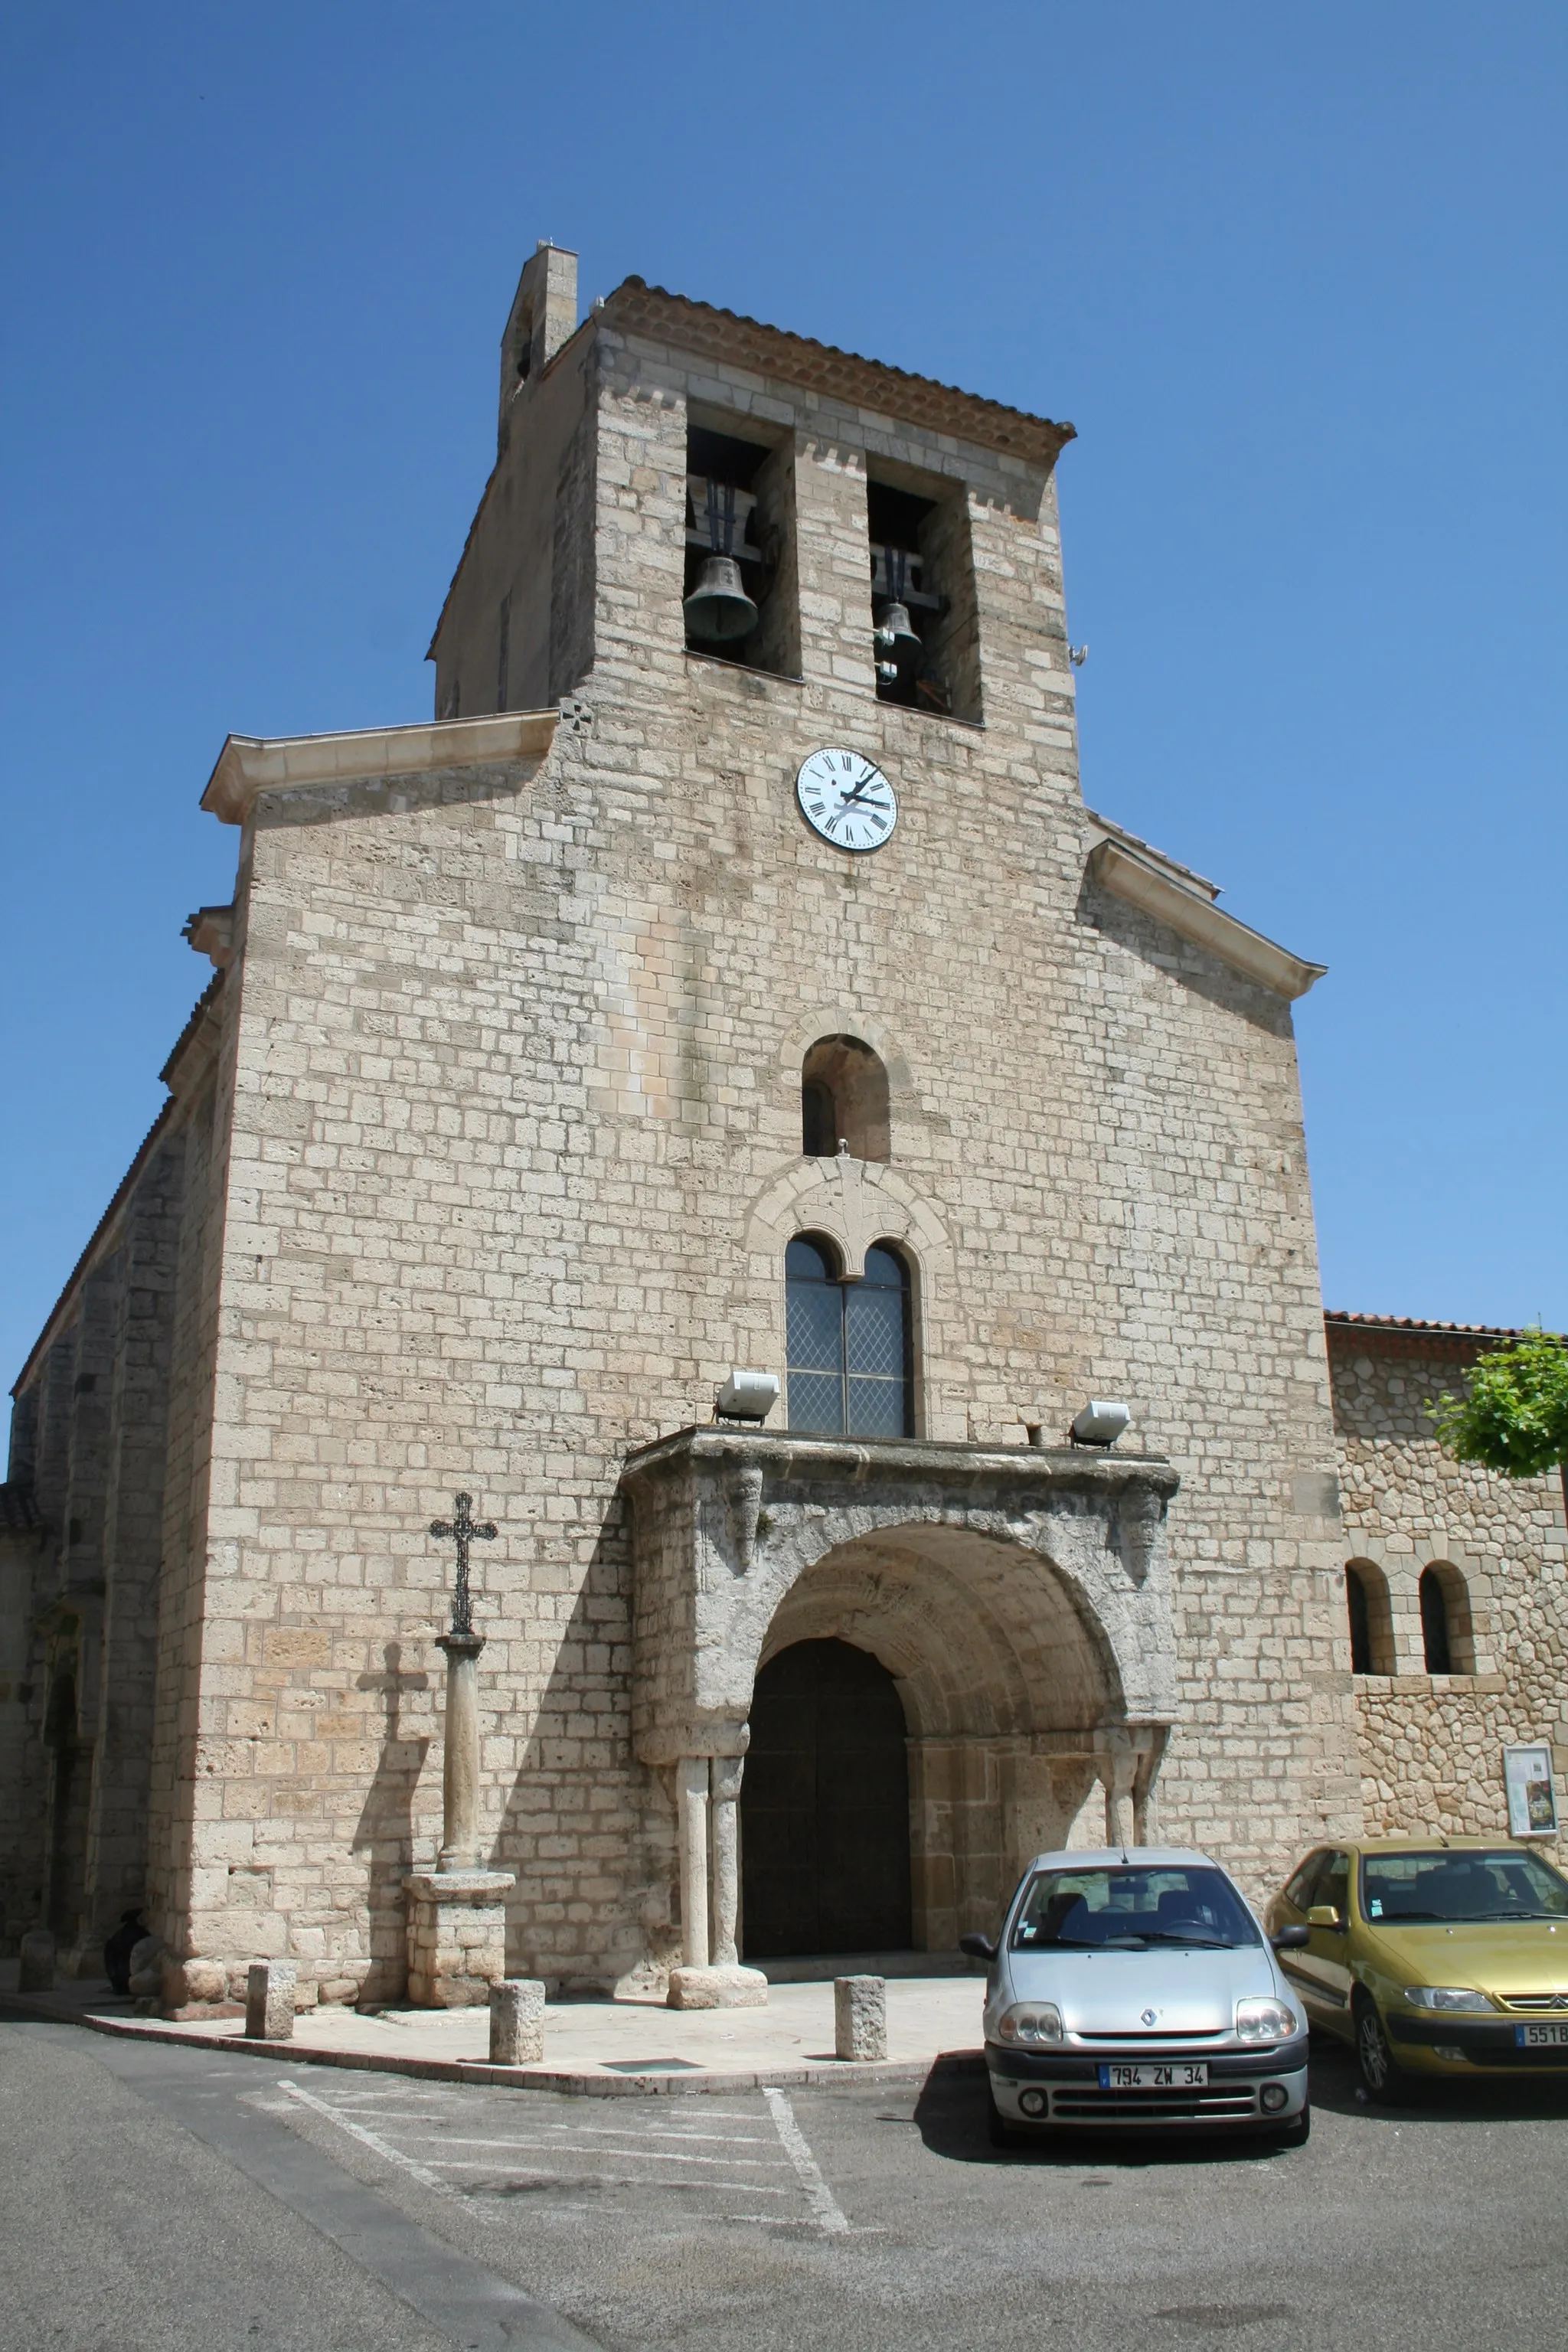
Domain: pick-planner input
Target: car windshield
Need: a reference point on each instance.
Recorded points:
(1129, 1909)
(1443, 1886)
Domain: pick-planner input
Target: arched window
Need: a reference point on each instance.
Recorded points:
(1371, 1618)
(1435, 1640)
(1445, 1639)
(843, 1100)
(850, 1343)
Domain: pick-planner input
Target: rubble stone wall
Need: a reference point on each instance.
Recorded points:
(1432, 1744)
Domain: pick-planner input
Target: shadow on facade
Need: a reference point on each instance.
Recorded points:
(385, 1833)
(591, 1899)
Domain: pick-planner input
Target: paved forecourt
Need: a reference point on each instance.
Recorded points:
(598, 2047)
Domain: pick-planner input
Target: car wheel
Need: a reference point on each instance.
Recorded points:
(1379, 2067)
(1298, 2131)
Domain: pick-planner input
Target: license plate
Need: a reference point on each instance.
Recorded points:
(1533, 2037)
(1176, 2074)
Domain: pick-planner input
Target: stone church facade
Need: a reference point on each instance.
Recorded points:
(555, 1063)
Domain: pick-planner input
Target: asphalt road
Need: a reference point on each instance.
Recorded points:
(155, 2199)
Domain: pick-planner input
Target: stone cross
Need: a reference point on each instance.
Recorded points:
(460, 1760)
(466, 1529)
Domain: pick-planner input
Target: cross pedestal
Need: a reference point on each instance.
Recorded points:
(457, 1936)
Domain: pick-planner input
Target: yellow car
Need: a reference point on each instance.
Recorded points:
(1431, 1956)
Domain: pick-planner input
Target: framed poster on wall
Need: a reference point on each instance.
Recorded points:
(1531, 1798)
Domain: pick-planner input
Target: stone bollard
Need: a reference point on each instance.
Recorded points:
(517, 2021)
(269, 2000)
(38, 1970)
(859, 2017)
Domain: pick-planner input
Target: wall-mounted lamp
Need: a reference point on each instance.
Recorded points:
(1100, 1423)
(747, 1396)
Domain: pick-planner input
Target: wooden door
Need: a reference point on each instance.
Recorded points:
(825, 1806)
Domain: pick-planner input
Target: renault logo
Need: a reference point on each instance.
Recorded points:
(1150, 2015)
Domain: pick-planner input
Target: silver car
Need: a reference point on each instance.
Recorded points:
(1137, 1988)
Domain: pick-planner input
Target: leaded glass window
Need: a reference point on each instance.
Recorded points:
(848, 1344)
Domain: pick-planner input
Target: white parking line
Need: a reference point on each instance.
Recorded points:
(624, 2155)
(607, 2179)
(373, 2140)
(819, 2196)
(574, 2130)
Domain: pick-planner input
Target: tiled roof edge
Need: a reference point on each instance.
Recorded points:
(1410, 1327)
(924, 399)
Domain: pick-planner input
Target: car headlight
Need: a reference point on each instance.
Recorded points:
(1448, 1998)
(1265, 2020)
(1032, 2021)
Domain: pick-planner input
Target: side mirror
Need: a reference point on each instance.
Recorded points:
(979, 1947)
(1323, 1915)
(1290, 1940)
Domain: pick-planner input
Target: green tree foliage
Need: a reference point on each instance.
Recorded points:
(1515, 1414)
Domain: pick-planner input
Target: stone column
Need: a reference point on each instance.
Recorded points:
(460, 1764)
(692, 1795)
(724, 1824)
(708, 1791)
(1116, 1762)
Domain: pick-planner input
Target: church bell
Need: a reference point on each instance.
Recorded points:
(896, 631)
(718, 607)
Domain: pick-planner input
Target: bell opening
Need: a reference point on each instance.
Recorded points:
(907, 603)
(726, 571)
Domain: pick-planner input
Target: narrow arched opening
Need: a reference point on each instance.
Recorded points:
(825, 1806)
(1371, 1618)
(1447, 1645)
(850, 1344)
(844, 1099)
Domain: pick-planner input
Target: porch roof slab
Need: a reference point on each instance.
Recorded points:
(1000, 1563)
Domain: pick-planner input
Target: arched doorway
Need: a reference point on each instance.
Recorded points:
(825, 1806)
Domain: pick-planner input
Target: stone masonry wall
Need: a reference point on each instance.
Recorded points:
(1431, 1744)
(516, 1064)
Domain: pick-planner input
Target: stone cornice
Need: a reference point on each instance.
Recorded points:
(791, 1455)
(636, 308)
(1151, 886)
(250, 764)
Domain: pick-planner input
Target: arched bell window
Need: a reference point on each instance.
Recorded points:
(844, 1099)
(850, 1370)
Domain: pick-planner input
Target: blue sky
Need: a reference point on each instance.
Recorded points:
(1295, 275)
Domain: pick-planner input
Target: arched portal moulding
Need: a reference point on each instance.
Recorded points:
(1022, 1596)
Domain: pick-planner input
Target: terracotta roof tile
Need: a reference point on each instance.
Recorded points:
(844, 375)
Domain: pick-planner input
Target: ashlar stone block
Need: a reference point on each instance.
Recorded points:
(269, 2000)
(517, 2021)
(859, 2017)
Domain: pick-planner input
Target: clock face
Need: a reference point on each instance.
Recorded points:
(847, 800)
